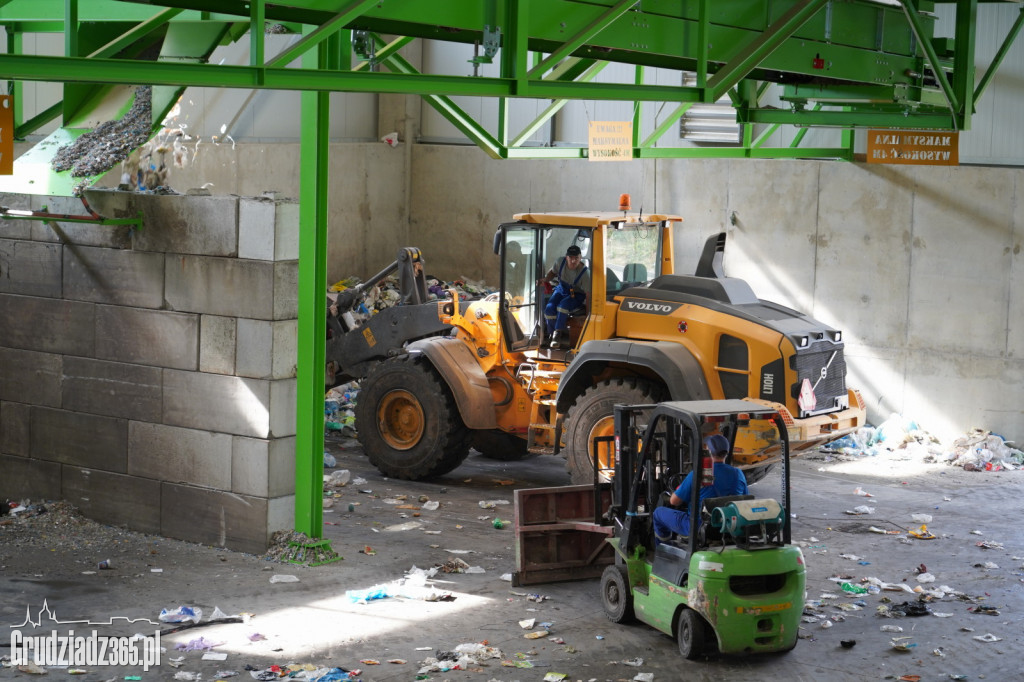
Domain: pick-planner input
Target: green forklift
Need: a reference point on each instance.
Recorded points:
(735, 585)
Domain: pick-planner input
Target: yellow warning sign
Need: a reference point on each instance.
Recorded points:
(6, 135)
(915, 147)
(611, 141)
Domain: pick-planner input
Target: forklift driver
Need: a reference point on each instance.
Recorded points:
(728, 481)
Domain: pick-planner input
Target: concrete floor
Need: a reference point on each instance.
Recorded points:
(313, 622)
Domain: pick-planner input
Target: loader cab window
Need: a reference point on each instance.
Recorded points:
(632, 256)
(528, 252)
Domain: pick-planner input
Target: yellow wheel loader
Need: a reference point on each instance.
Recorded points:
(440, 377)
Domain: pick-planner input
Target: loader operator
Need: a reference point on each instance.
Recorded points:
(569, 295)
(728, 481)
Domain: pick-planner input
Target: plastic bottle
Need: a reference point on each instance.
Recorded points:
(854, 589)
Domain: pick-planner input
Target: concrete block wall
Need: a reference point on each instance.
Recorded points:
(148, 376)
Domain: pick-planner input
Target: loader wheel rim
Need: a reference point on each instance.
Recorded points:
(400, 419)
(602, 427)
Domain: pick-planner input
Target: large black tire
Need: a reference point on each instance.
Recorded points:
(408, 422)
(616, 594)
(591, 415)
(499, 445)
(693, 634)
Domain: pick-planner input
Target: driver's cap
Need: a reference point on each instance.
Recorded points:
(717, 445)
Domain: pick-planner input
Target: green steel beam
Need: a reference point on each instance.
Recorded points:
(759, 48)
(1000, 56)
(689, 153)
(257, 32)
(71, 28)
(599, 23)
(343, 18)
(555, 106)
(855, 118)
(451, 111)
(312, 332)
(140, 31)
(929, 50)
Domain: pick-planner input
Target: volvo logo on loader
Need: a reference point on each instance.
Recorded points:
(635, 305)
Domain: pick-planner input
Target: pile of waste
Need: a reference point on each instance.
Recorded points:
(978, 450)
(339, 408)
(387, 293)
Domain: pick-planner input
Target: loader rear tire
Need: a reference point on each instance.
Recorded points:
(407, 420)
(501, 446)
(592, 415)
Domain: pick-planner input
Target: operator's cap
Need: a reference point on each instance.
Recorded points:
(573, 251)
(717, 445)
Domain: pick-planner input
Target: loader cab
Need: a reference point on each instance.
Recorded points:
(620, 252)
(527, 252)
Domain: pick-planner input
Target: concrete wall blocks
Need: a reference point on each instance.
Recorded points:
(147, 337)
(266, 350)
(214, 402)
(262, 467)
(47, 325)
(113, 498)
(214, 517)
(85, 440)
(30, 268)
(286, 290)
(268, 229)
(221, 286)
(283, 397)
(129, 278)
(113, 389)
(172, 453)
(217, 339)
(22, 474)
(30, 377)
(188, 224)
(14, 431)
(84, 234)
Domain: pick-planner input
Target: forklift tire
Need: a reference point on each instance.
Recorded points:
(616, 594)
(694, 635)
(408, 422)
(592, 415)
(501, 446)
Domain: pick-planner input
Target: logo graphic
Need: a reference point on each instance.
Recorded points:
(91, 649)
(635, 305)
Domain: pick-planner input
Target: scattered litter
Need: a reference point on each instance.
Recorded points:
(862, 492)
(847, 643)
(432, 505)
(215, 656)
(898, 644)
(491, 504)
(976, 532)
(644, 677)
(891, 628)
(984, 609)
(635, 662)
(198, 644)
(988, 565)
(181, 614)
(536, 634)
(882, 531)
(409, 525)
(528, 623)
(988, 544)
(922, 533)
(925, 578)
(284, 578)
(851, 557)
(988, 637)
(921, 518)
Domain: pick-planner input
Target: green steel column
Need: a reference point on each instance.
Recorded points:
(963, 59)
(309, 410)
(257, 29)
(71, 28)
(15, 88)
(639, 80)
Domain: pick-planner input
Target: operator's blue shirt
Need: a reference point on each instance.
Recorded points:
(728, 481)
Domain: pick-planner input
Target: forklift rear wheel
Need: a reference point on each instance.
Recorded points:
(593, 415)
(407, 420)
(694, 634)
(616, 594)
